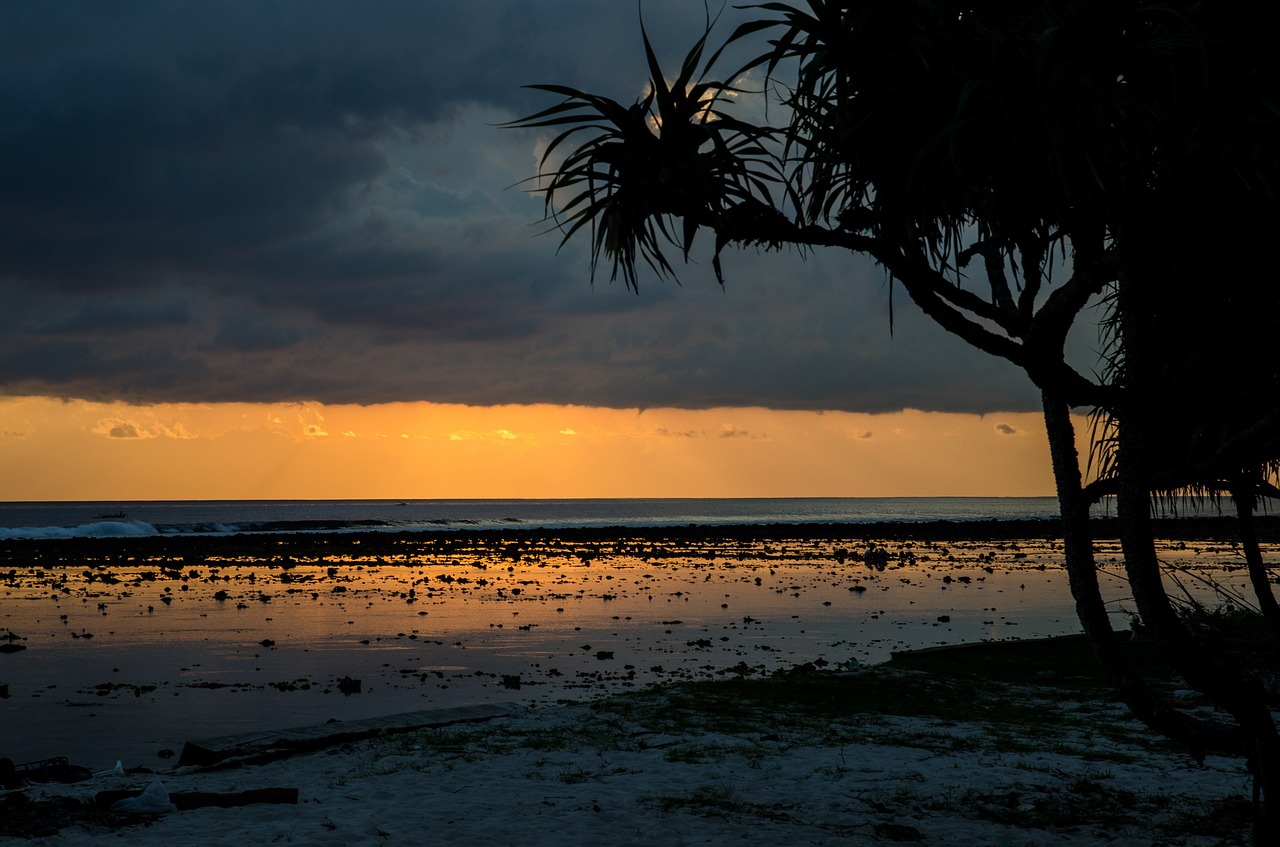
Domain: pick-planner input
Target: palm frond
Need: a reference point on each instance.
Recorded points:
(674, 154)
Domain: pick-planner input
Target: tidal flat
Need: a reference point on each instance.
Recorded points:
(126, 648)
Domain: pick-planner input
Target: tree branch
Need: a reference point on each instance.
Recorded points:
(939, 298)
(758, 223)
(1005, 318)
(1054, 319)
(1001, 295)
(1033, 251)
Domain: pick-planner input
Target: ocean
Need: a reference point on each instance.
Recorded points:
(224, 517)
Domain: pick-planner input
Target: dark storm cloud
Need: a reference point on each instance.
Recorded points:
(277, 200)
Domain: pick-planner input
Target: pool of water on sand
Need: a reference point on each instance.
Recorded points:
(127, 659)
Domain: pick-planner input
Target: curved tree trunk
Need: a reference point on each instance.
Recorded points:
(1243, 699)
(1082, 574)
(1243, 496)
(1076, 533)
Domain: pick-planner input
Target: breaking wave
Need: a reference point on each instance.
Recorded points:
(96, 529)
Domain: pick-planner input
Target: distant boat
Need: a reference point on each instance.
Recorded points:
(112, 516)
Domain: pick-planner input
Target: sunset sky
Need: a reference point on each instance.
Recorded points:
(277, 249)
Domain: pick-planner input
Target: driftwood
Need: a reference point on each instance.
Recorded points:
(273, 744)
(185, 800)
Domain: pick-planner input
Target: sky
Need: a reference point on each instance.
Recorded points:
(281, 249)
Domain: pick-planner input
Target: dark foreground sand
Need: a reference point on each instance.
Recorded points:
(942, 750)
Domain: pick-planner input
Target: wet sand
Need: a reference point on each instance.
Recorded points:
(133, 646)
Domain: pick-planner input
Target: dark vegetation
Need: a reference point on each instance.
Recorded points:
(967, 148)
(1002, 689)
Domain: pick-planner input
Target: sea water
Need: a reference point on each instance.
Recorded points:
(220, 517)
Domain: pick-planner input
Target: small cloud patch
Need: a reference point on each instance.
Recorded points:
(1007, 429)
(125, 430)
(131, 430)
(473, 435)
(122, 429)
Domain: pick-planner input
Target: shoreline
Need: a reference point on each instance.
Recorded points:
(1217, 528)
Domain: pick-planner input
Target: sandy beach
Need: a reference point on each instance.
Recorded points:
(710, 763)
(603, 651)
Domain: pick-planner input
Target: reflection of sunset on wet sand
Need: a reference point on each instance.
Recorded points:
(206, 635)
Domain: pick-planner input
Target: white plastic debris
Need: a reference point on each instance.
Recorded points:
(117, 770)
(153, 801)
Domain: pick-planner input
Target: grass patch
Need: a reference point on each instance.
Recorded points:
(1018, 662)
(1224, 819)
(953, 704)
(717, 801)
(694, 754)
(991, 687)
(808, 703)
(1082, 803)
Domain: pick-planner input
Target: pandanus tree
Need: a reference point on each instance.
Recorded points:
(1008, 163)
(1196, 415)
(1195, 319)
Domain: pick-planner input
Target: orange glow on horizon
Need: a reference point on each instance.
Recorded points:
(79, 450)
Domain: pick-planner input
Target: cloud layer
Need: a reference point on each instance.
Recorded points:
(275, 201)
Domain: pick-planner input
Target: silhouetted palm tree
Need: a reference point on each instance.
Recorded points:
(973, 149)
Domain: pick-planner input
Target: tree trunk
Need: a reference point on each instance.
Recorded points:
(1077, 536)
(1243, 699)
(1082, 575)
(1244, 499)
